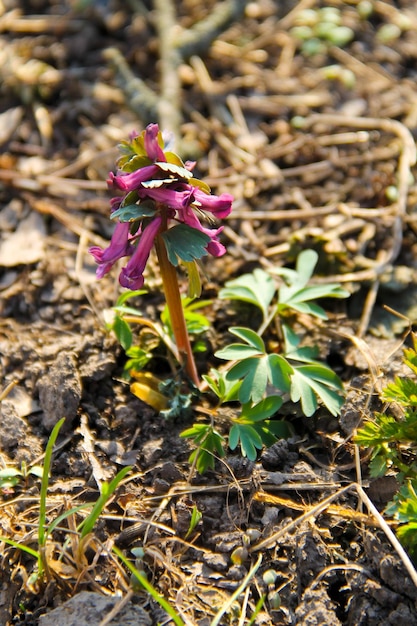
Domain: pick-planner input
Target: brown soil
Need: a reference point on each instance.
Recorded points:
(73, 80)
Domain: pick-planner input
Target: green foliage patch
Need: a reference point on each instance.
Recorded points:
(393, 442)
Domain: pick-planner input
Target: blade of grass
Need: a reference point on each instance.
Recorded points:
(238, 592)
(42, 561)
(22, 547)
(164, 604)
(65, 515)
(45, 481)
(107, 491)
(258, 609)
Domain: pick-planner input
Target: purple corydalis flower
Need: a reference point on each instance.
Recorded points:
(166, 184)
(119, 247)
(219, 206)
(131, 276)
(178, 200)
(152, 147)
(129, 182)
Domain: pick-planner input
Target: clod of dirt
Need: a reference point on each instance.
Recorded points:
(317, 609)
(12, 427)
(60, 391)
(278, 456)
(389, 567)
(310, 555)
(90, 608)
(216, 562)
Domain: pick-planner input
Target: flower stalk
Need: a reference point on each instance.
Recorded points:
(176, 311)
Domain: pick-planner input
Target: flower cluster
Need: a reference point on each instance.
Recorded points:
(160, 197)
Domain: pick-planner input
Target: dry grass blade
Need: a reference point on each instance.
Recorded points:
(326, 505)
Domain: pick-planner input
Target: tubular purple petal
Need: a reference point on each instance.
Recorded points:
(215, 248)
(169, 197)
(119, 247)
(131, 276)
(152, 147)
(220, 206)
(189, 217)
(131, 181)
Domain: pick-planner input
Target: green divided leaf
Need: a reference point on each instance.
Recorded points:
(315, 381)
(252, 430)
(386, 429)
(185, 243)
(370, 434)
(402, 390)
(300, 299)
(133, 212)
(378, 465)
(209, 445)
(403, 508)
(236, 351)
(249, 439)
(297, 295)
(299, 277)
(226, 390)
(257, 372)
(253, 372)
(257, 288)
(305, 354)
(393, 441)
(406, 503)
(254, 367)
(262, 410)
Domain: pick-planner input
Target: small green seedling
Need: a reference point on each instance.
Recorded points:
(260, 380)
(393, 441)
(253, 429)
(196, 516)
(209, 445)
(12, 476)
(254, 367)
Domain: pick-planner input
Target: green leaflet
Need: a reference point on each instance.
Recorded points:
(257, 288)
(133, 212)
(185, 243)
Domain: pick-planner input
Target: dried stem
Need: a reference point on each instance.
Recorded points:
(197, 39)
(169, 104)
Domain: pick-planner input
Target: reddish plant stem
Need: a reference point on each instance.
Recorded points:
(176, 311)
